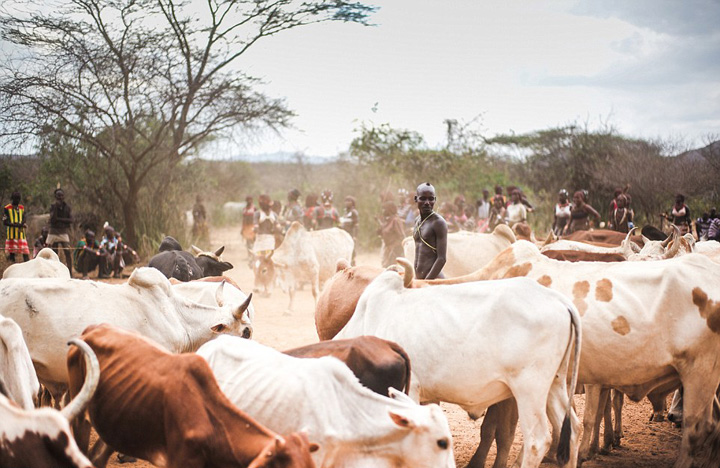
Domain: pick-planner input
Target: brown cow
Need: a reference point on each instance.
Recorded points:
(604, 236)
(377, 363)
(168, 409)
(340, 296)
(580, 256)
(41, 438)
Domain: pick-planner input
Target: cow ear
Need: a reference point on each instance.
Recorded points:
(396, 394)
(219, 294)
(226, 266)
(219, 328)
(401, 420)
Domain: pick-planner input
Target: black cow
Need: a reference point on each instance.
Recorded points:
(177, 264)
(174, 262)
(210, 262)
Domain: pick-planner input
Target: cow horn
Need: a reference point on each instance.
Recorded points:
(92, 375)
(674, 235)
(673, 250)
(219, 251)
(409, 271)
(549, 239)
(269, 452)
(628, 244)
(196, 250)
(219, 294)
(279, 443)
(238, 313)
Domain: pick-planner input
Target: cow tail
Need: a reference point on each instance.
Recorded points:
(563, 449)
(399, 349)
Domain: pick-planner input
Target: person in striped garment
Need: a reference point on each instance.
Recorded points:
(14, 221)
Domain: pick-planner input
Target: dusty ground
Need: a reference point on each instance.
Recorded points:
(646, 445)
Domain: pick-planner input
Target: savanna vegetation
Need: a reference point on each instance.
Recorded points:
(114, 100)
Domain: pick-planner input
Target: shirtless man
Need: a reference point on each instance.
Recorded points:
(430, 235)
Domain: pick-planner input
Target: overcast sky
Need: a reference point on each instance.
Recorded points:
(651, 68)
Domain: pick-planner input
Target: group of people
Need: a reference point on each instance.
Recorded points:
(708, 226)
(577, 216)
(107, 255)
(264, 225)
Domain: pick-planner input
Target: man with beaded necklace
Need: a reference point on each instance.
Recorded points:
(430, 235)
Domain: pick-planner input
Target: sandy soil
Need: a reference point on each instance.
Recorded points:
(646, 445)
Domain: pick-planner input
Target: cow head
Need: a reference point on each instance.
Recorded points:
(181, 269)
(240, 324)
(292, 451)
(658, 250)
(428, 441)
(264, 272)
(211, 262)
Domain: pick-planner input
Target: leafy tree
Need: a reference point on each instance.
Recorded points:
(136, 86)
(403, 158)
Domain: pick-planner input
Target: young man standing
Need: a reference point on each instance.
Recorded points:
(430, 235)
(60, 221)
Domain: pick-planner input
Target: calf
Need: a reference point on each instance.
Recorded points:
(377, 363)
(186, 420)
(264, 273)
(41, 438)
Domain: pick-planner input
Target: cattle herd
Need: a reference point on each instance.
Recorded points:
(164, 367)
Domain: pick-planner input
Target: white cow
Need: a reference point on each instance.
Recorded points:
(309, 257)
(16, 368)
(46, 265)
(468, 251)
(51, 311)
(477, 344)
(646, 325)
(710, 247)
(208, 291)
(354, 426)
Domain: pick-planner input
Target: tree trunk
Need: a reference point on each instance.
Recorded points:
(130, 211)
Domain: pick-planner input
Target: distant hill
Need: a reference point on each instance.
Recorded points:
(282, 157)
(697, 154)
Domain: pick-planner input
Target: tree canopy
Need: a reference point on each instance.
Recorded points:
(131, 88)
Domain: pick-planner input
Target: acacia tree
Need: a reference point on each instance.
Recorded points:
(140, 84)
